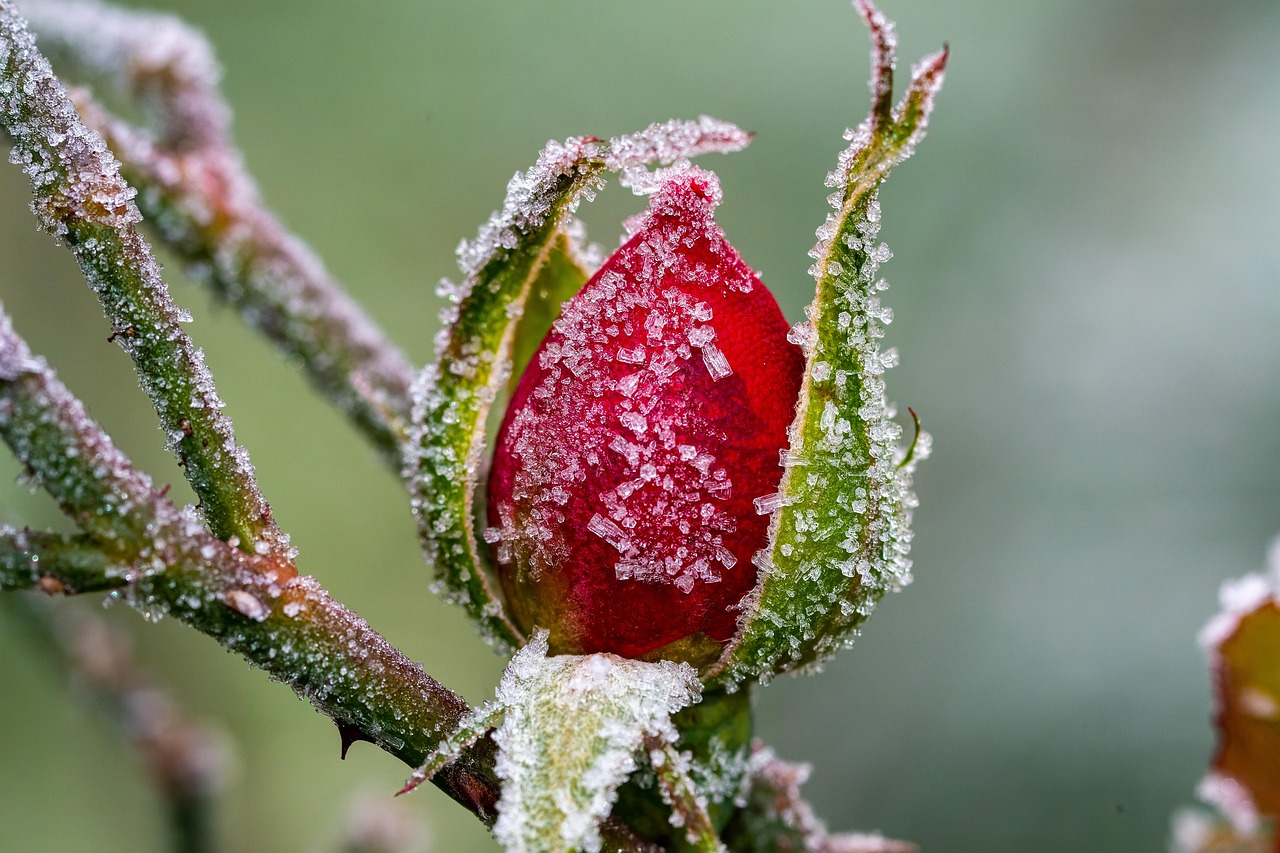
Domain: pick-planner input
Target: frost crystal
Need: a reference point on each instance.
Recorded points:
(571, 728)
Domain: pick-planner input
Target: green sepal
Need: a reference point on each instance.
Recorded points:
(562, 275)
(840, 526)
(571, 728)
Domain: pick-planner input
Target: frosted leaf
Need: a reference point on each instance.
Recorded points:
(840, 526)
(1241, 641)
(571, 728)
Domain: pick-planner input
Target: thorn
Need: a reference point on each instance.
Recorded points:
(350, 734)
(164, 492)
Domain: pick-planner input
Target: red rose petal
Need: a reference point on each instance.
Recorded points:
(621, 494)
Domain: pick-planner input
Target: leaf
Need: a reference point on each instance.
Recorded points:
(452, 398)
(570, 731)
(840, 532)
(1244, 647)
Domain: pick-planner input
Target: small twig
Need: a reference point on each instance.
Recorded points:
(199, 197)
(80, 198)
(184, 762)
(57, 564)
(688, 807)
(776, 817)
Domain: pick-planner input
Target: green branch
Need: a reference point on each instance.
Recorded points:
(198, 197)
(57, 564)
(251, 604)
(80, 198)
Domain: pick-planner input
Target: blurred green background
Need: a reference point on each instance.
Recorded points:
(1088, 254)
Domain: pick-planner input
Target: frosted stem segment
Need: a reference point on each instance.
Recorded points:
(840, 526)
(252, 604)
(57, 564)
(453, 397)
(776, 817)
(198, 196)
(688, 804)
(80, 197)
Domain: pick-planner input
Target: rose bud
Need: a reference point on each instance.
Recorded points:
(621, 494)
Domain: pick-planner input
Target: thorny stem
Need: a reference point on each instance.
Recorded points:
(199, 198)
(57, 564)
(284, 623)
(252, 604)
(180, 756)
(80, 198)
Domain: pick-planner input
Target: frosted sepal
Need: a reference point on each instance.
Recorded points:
(840, 526)
(571, 729)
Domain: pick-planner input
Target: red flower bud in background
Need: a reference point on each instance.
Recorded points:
(621, 497)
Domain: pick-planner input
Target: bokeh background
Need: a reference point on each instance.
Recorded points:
(1087, 287)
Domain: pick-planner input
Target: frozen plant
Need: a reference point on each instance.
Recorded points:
(687, 497)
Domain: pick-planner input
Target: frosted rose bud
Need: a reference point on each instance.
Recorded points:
(621, 497)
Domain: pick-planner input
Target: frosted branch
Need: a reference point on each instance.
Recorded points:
(688, 806)
(202, 203)
(183, 760)
(80, 197)
(252, 604)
